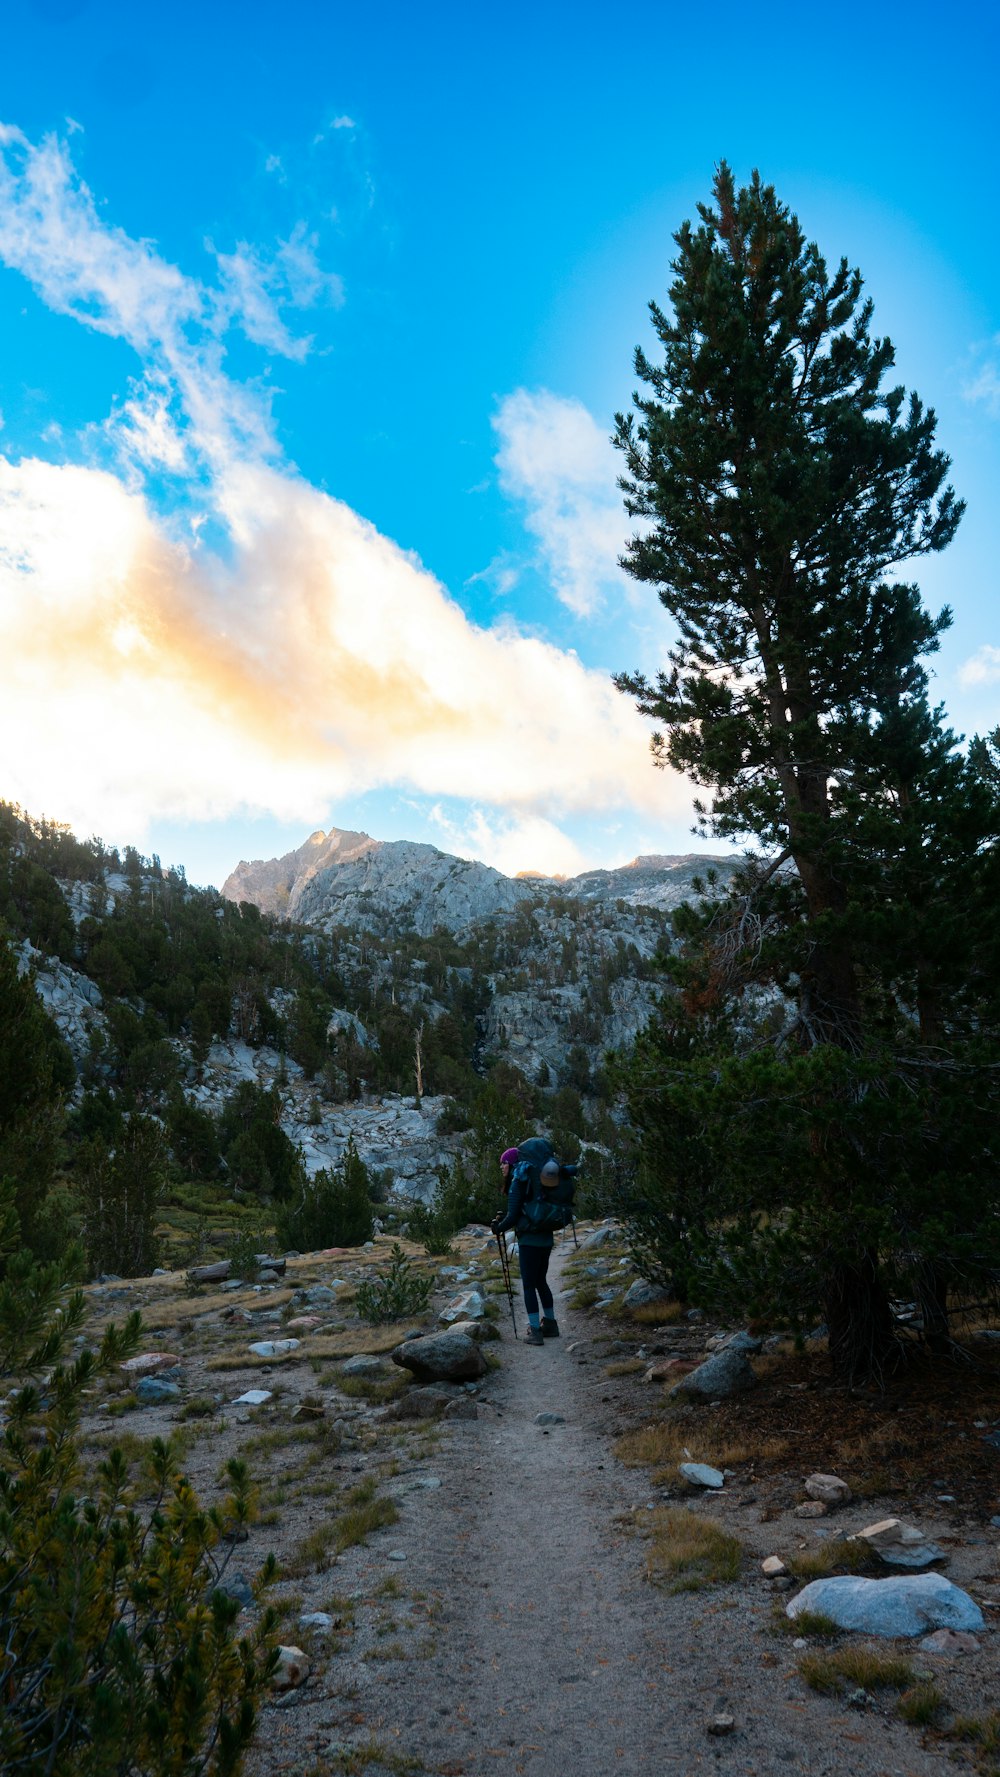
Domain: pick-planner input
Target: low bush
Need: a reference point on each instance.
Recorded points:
(118, 1647)
(394, 1294)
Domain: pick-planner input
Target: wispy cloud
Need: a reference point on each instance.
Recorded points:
(52, 232)
(559, 465)
(984, 386)
(982, 668)
(302, 657)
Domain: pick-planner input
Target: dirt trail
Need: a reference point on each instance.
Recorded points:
(553, 1657)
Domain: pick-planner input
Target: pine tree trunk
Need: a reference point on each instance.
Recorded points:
(859, 1319)
(932, 1294)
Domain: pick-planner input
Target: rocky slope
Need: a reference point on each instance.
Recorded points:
(348, 879)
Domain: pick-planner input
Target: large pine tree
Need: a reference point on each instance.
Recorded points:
(780, 479)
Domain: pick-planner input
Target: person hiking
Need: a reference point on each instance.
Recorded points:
(534, 1245)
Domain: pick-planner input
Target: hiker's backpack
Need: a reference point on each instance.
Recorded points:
(546, 1207)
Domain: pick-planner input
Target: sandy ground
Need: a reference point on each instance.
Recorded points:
(505, 1622)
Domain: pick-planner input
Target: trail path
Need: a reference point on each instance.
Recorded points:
(553, 1657)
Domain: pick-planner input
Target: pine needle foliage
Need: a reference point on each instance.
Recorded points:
(119, 1654)
(817, 1112)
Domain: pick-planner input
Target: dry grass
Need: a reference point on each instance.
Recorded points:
(363, 1511)
(835, 1556)
(656, 1314)
(249, 1360)
(922, 1704)
(664, 1445)
(373, 1389)
(688, 1552)
(187, 1302)
(363, 1340)
(865, 1668)
(982, 1732)
(626, 1366)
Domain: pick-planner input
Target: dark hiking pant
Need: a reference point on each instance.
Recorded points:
(534, 1263)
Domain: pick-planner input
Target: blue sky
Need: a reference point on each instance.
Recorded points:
(253, 257)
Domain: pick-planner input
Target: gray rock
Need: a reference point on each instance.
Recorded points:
(549, 1419)
(899, 1544)
(725, 1374)
(949, 1641)
(363, 1365)
(464, 1409)
(742, 1341)
(254, 1397)
(471, 1306)
(273, 1347)
(641, 1294)
(292, 1669)
(316, 1619)
(482, 1331)
(701, 1474)
(450, 1356)
(600, 1237)
(906, 1606)
(238, 1587)
(419, 1403)
(152, 1392)
(830, 1489)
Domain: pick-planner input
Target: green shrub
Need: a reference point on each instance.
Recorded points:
(430, 1229)
(394, 1294)
(121, 1187)
(118, 1651)
(332, 1209)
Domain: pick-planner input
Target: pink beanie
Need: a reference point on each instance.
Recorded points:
(508, 1157)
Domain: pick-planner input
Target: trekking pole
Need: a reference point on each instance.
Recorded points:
(505, 1267)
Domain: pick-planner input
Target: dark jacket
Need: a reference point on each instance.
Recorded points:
(516, 1195)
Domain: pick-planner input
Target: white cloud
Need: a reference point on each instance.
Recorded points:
(343, 123)
(317, 661)
(982, 668)
(305, 657)
(556, 461)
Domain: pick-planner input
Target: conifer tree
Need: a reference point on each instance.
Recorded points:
(780, 479)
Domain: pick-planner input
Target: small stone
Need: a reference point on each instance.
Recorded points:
(396, 1555)
(237, 1587)
(464, 1409)
(900, 1545)
(829, 1489)
(148, 1362)
(273, 1347)
(292, 1669)
(303, 1323)
(800, 1641)
(363, 1365)
(549, 1419)
(254, 1397)
(152, 1392)
(773, 1566)
(701, 1474)
(725, 1374)
(721, 1724)
(316, 1619)
(949, 1641)
(642, 1294)
(813, 1508)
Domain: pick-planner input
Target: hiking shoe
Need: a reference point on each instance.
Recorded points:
(550, 1329)
(533, 1336)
